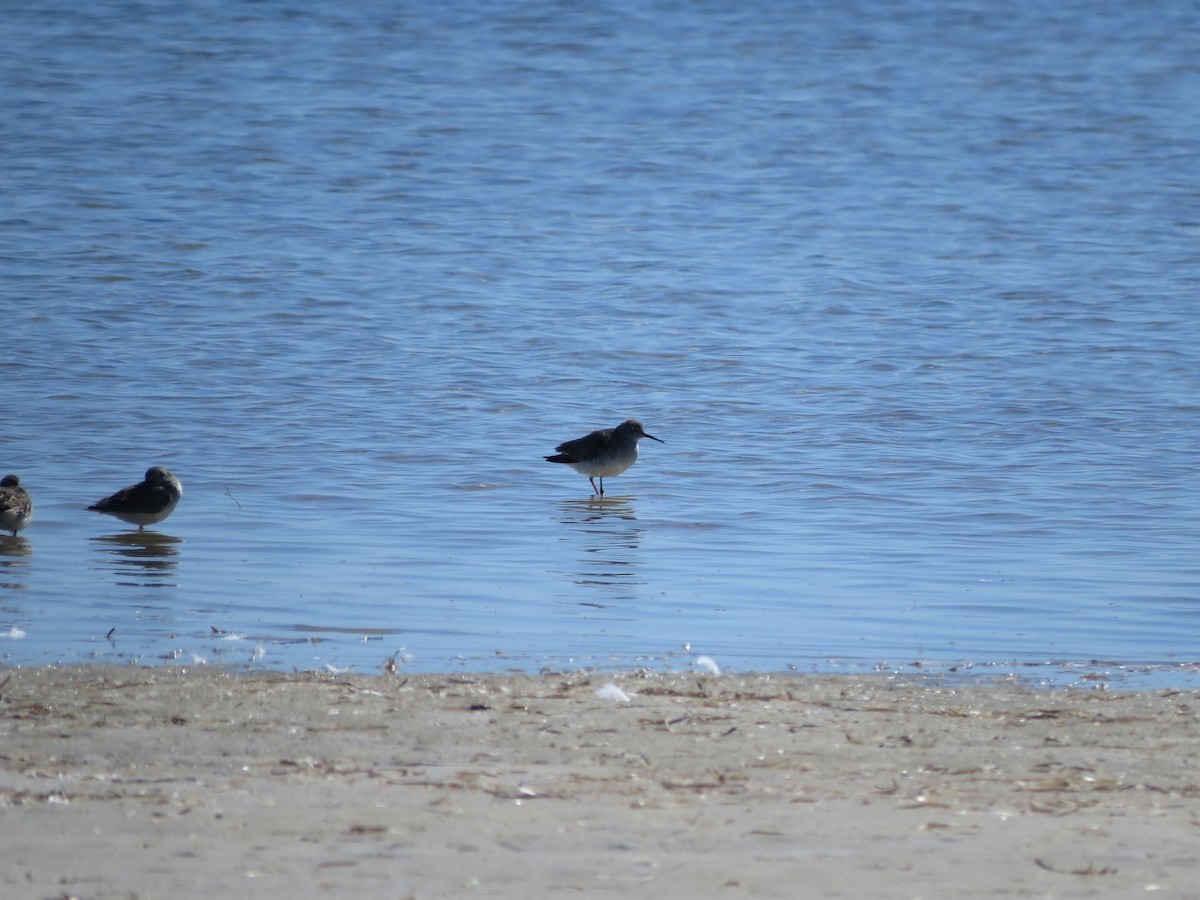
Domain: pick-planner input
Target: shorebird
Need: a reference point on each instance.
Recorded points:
(146, 503)
(608, 451)
(16, 509)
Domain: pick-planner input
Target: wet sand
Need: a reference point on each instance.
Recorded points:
(172, 782)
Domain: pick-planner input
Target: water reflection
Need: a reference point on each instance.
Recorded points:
(609, 540)
(141, 558)
(14, 567)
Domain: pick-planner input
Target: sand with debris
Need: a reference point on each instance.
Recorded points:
(170, 782)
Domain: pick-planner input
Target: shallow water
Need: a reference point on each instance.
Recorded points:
(907, 289)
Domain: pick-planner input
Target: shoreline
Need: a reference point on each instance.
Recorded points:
(171, 780)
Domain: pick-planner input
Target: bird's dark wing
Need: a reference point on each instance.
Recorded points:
(142, 497)
(14, 500)
(587, 447)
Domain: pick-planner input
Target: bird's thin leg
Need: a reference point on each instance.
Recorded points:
(601, 485)
(593, 481)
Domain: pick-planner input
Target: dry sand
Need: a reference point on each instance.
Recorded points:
(169, 782)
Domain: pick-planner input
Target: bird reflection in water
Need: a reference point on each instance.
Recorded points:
(141, 558)
(609, 539)
(14, 563)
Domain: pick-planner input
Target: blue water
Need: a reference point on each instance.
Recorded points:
(908, 289)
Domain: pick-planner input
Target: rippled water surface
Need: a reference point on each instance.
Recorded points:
(908, 289)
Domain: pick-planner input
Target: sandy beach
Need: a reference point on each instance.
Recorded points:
(173, 782)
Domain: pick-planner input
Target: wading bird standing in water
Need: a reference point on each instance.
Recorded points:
(145, 503)
(16, 509)
(606, 452)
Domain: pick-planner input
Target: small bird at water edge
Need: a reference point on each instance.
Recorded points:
(605, 452)
(16, 509)
(145, 503)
